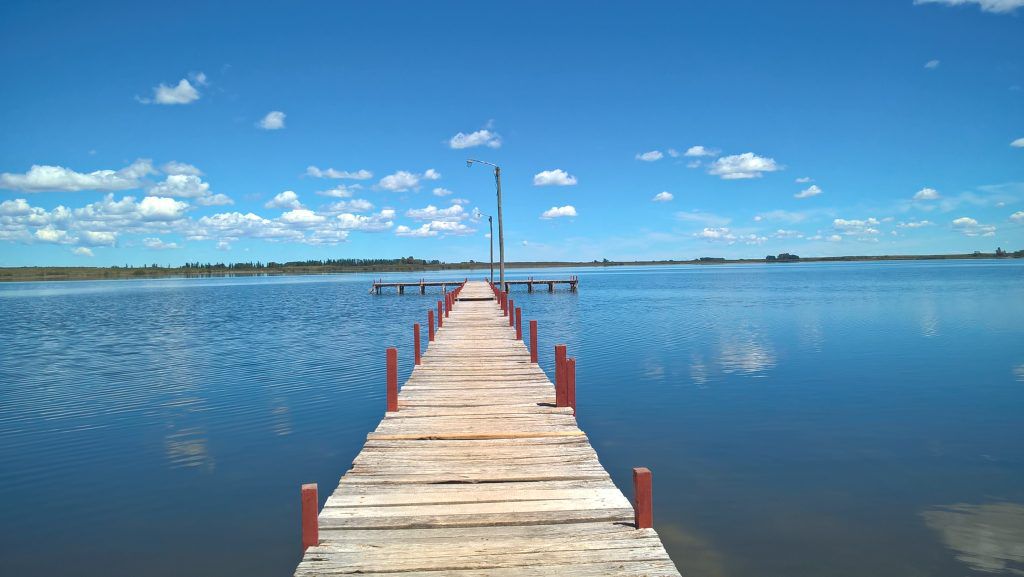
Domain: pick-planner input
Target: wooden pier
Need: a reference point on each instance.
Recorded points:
(572, 282)
(478, 467)
(421, 284)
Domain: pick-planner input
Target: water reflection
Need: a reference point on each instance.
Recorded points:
(746, 354)
(1018, 372)
(188, 448)
(988, 538)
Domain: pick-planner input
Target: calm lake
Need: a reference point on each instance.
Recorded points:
(800, 419)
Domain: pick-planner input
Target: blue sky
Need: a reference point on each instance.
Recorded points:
(284, 131)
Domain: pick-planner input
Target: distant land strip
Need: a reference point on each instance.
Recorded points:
(411, 265)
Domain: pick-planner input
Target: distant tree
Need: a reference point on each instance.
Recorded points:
(770, 257)
(1000, 251)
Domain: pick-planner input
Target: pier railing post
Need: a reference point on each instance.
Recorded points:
(533, 341)
(519, 323)
(643, 515)
(511, 312)
(447, 304)
(416, 342)
(310, 527)
(392, 376)
(440, 315)
(559, 375)
(430, 325)
(570, 383)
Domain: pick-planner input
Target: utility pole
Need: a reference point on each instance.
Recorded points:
(490, 223)
(501, 229)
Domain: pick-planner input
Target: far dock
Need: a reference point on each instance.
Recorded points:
(572, 282)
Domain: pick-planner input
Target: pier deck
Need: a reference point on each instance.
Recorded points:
(479, 473)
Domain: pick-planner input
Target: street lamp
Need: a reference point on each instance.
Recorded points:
(501, 234)
(490, 224)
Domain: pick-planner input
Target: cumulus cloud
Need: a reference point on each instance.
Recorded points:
(722, 234)
(700, 151)
(379, 222)
(402, 180)
(663, 196)
(189, 186)
(741, 166)
(483, 137)
(274, 120)
(360, 174)
(97, 238)
(82, 251)
(154, 243)
(435, 228)
(354, 205)
(998, 6)
(182, 93)
(650, 156)
(1017, 216)
(854, 227)
(971, 227)
(442, 191)
(1019, 143)
(287, 199)
(340, 191)
(559, 211)
(783, 233)
(927, 194)
(812, 190)
(46, 178)
(302, 217)
(162, 208)
(556, 177)
(453, 213)
(932, 64)
(175, 167)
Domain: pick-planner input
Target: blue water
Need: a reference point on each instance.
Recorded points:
(800, 419)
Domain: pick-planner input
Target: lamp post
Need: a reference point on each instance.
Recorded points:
(490, 224)
(501, 235)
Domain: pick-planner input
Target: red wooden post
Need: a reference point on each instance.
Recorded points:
(511, 313)
(416, 342)
(643, 516)
(430, 325)
(440, 315)
(570, 383)
(447, 305)
(533, 341)
(559, 375)
(310, 527)
(519, 323)
(392, 356)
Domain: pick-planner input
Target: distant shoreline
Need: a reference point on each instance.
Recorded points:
(26, 274)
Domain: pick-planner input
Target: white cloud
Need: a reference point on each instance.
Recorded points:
(663, 196)
(673, 153)
(302, 217)
(340, 191)
(746, 165)
(43, 178)
(175, 167)
(834, 238)
(986, 5)
(559, 211)
(360, 174)
(461, 201)
(274, 120)
(453, 213)
(82, 251)
(783, 233)
(182, 93)
(650, 156)
(53, 235)
(354, 205)
(722, 234)
(700, 151)
(286, 199)
(812, 190)
(214, 200)
(484, 137)
(435, 228)
(927, 194)
(1017, 216)
(915, 224)
(932, 64)
(402, 180)
(154, 243)
(803, 180)
(442, 191)
(863, 228)
(556, 177)
(693, 164)
(16, 207)
(162, 208)
(97, 238)
(181, 186)
(374, 223)
(972, 227)
(1019, 143)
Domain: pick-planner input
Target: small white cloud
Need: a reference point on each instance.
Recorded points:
(484, 137)
(971, 227)
(834, 238)
(1019, 143)
(1003, 6)
(720, 233)
(742, 166)
(453, 213)
(361, 174)
(274, 120)
(700, 151)
(97, 238)
(559, 211)
(431, 174)
(932, 64)
(435, 228)
(402, 180)
(181, 186)
(556, 177)
(927, 194)
(45, 178)
(287, 199)
(302, 217)
(156, 208)
(354, 205)
(674, 153)
(442, 191)
(856, 227)
(340, 191)
(663, 196)
(812, 190)
(175, 167)
(182, 93)
(82, 251)
(650, 156)
(1017, 216)
(153, 243)
(803, 180)
(693, 164)
(915, 224)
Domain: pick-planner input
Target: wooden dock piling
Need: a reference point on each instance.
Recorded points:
(477, 473)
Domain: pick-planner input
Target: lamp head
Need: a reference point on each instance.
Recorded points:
(469, 163)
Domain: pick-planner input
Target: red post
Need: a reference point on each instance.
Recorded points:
(504, 304)
(310, 527)
(430, 325)
(416, 342)
(570, 383)
(559, 375)
(440, 315)
(643, 515)
(392, 379)
(519, 323)
(511, 313)
(533, 341)
(447, 304)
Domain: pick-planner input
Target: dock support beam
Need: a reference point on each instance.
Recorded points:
(560, 375)
(392, 375)
(310, 527)
(533, 341)
(416, 342)
(643, 515)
